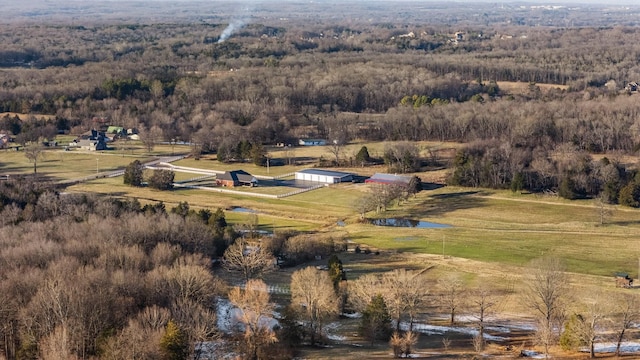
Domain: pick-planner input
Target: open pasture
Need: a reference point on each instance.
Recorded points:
(487, 225)
(497, 226)
(58, 164)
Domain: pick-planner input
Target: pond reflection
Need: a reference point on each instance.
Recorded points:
(408, 223)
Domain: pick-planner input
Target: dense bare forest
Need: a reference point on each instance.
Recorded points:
(85, 277)
(273, 82)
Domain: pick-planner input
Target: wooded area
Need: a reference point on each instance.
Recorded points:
(270, 84)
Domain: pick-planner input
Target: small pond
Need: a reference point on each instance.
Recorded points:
(239, 209)
(409, 223)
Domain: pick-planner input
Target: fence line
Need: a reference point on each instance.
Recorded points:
(300, 191)
(283, 176)
(226, 191)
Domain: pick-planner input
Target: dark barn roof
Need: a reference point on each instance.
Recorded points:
(238, 176)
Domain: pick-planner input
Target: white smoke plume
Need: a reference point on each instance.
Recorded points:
(234, 26)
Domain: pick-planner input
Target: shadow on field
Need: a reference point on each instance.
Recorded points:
(444, 203)
(431, 186)
(624, 223)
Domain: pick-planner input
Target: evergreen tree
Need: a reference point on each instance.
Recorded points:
(336, 273)
(258, 154)
(181, 209)
(133, 173)
(204, 215)
(567, 188)
(174, 343)
(376, 321)
(630, 195)
(162, 179)
(415, 185)
(517, 183)
(218, 222)
(362, 157)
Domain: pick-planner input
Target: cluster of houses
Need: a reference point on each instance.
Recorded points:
(96, 140)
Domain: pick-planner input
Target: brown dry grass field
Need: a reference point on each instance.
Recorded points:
(523, 87)
(26, 116)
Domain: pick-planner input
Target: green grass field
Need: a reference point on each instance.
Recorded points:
(504, 228)
(61, 165)
(489, 226)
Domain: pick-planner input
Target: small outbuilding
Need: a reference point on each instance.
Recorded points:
(323, 176)
(623, 280)
(389, 179)
(90, 145)
(236, 178)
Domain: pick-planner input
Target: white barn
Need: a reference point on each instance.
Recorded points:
(323, 176)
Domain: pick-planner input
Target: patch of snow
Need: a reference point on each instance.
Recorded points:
(502, 325)
(214, 350)
(228, 317)
(224, 315)
(532, 354)
(335, 337)
(355, 315)
(610, 347)
(439, 330)
(329, 330)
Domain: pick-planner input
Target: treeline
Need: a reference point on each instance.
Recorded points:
(263, 86)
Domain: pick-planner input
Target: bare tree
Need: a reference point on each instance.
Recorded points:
(364, 204)
(404, 292)
(250, 261)
(335, 147)
(628, 314)
(34, 152)
(149, 137)
(313, 295)
(451, 295)
(362, 290)
(604, 210)
(546, 295)
(198, 322)
(255, 311)
(590, 321)
(191, 282)
(482, 302)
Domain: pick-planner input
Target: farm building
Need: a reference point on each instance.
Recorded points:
(323, 176)
(389, 179)
(236, 178)
(90, 145)
(623, 280)
(4, 141)
(312, 142)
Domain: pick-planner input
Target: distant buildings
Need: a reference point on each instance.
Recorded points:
(312, 142)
